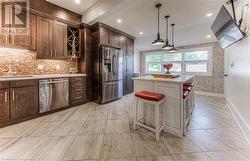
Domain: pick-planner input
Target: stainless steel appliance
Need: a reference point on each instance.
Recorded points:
(108, 81)
(53, 94)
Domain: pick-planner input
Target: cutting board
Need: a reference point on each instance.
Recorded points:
(158, 75)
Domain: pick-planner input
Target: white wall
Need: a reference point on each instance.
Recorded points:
(237, 84)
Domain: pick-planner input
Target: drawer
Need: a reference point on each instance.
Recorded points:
(77, 90)
(4, 84)
(23, 83)
(77, 79)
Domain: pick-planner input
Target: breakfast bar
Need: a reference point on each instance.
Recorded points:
(172, 88)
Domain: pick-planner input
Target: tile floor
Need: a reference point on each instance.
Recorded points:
(103, 133)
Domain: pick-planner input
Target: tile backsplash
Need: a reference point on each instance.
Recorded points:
(25, 63)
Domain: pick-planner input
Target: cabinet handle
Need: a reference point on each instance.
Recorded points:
(13, 95)
(6, 96)
(51, 53)
(55, 52)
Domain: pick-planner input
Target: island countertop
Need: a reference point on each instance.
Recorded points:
(30, 77)
(181, 79)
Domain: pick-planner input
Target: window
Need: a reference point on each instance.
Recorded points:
(194, 61)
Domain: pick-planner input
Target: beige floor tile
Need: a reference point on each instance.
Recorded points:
(117, 146)
(93, 127)
(53, 149)
(67, 129)
(6, 142)
(59, 116)
(23, 148)
(145, 147)
(117, 126)
(121, 159)
(206, 141)
(156, 158)
(81, 113)
(85, 147)
(179, 145)
(44, 129)
(98, 115)
(192, 157)
(245, 152)
(118, 115)
(227, 156)
(232, 137)
(19, 130)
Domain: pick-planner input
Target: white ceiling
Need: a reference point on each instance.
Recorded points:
(72, 6)
(192, 25)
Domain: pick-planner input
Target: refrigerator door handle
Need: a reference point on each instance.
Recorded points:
(113, 64)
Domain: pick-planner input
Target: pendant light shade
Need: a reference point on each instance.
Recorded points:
(173, 50)
(167, 45)
(158, 40)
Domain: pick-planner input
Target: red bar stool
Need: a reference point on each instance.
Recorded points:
(156, 100)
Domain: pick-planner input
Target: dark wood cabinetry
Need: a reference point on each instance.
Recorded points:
(22, 41)
(77, 90)
(4, 105)
(18, 101)
(60, 40)
(109, 37)
(51, 39)
(24, 102)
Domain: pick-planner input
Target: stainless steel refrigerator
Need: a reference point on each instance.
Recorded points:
(108, 80)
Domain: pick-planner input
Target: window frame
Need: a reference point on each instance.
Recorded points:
(183, 62)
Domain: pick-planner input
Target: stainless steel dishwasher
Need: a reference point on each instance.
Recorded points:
(53, 94)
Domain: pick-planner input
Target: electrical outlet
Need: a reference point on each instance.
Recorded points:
(57, 67)
(40, 67)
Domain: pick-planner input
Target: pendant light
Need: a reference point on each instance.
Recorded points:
(167, 46)
(173, 50)
(158, 40)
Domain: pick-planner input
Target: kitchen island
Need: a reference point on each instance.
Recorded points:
(173, 90)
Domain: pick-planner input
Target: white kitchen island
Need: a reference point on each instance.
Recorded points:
(173, 90)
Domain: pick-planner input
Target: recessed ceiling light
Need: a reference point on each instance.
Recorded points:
(119, 20)
(208, 36)
(77, 1)
(209, 14)
(141, 33)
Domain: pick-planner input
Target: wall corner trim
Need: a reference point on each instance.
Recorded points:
(239, 119)
(209, 94)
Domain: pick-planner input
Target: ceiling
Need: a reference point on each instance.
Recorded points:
(192, 25)
(80, 8)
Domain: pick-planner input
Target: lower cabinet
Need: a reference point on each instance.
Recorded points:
(77, 90)
(24, 102)
(18, 101)
(4, 106)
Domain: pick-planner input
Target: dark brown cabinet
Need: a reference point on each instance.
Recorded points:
(4, 105)
(44, 38)
(22, 41)
(51, 39)
(24, 102)
(109, 37)
(77, 90)
(27, 41)
(60, 40)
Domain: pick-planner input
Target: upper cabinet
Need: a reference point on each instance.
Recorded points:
(51, 39)
(109, 37)
(60, 40)
(22, 41)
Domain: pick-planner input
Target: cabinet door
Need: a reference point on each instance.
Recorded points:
(60, 40)
(130, 46)
(4, 105)
(4, 40)
(24, 102)
(104, 36)
(123, 44)
(27, 41)
(114, 39)
(44, 38)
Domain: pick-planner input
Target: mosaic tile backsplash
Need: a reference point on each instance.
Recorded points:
(25, 63)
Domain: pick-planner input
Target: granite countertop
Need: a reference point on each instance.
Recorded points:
(47, 76)
(181, 79)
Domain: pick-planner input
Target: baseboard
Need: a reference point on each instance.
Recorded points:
(209, 94)
(239, 119)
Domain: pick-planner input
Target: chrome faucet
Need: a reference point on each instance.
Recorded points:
(10, 72)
